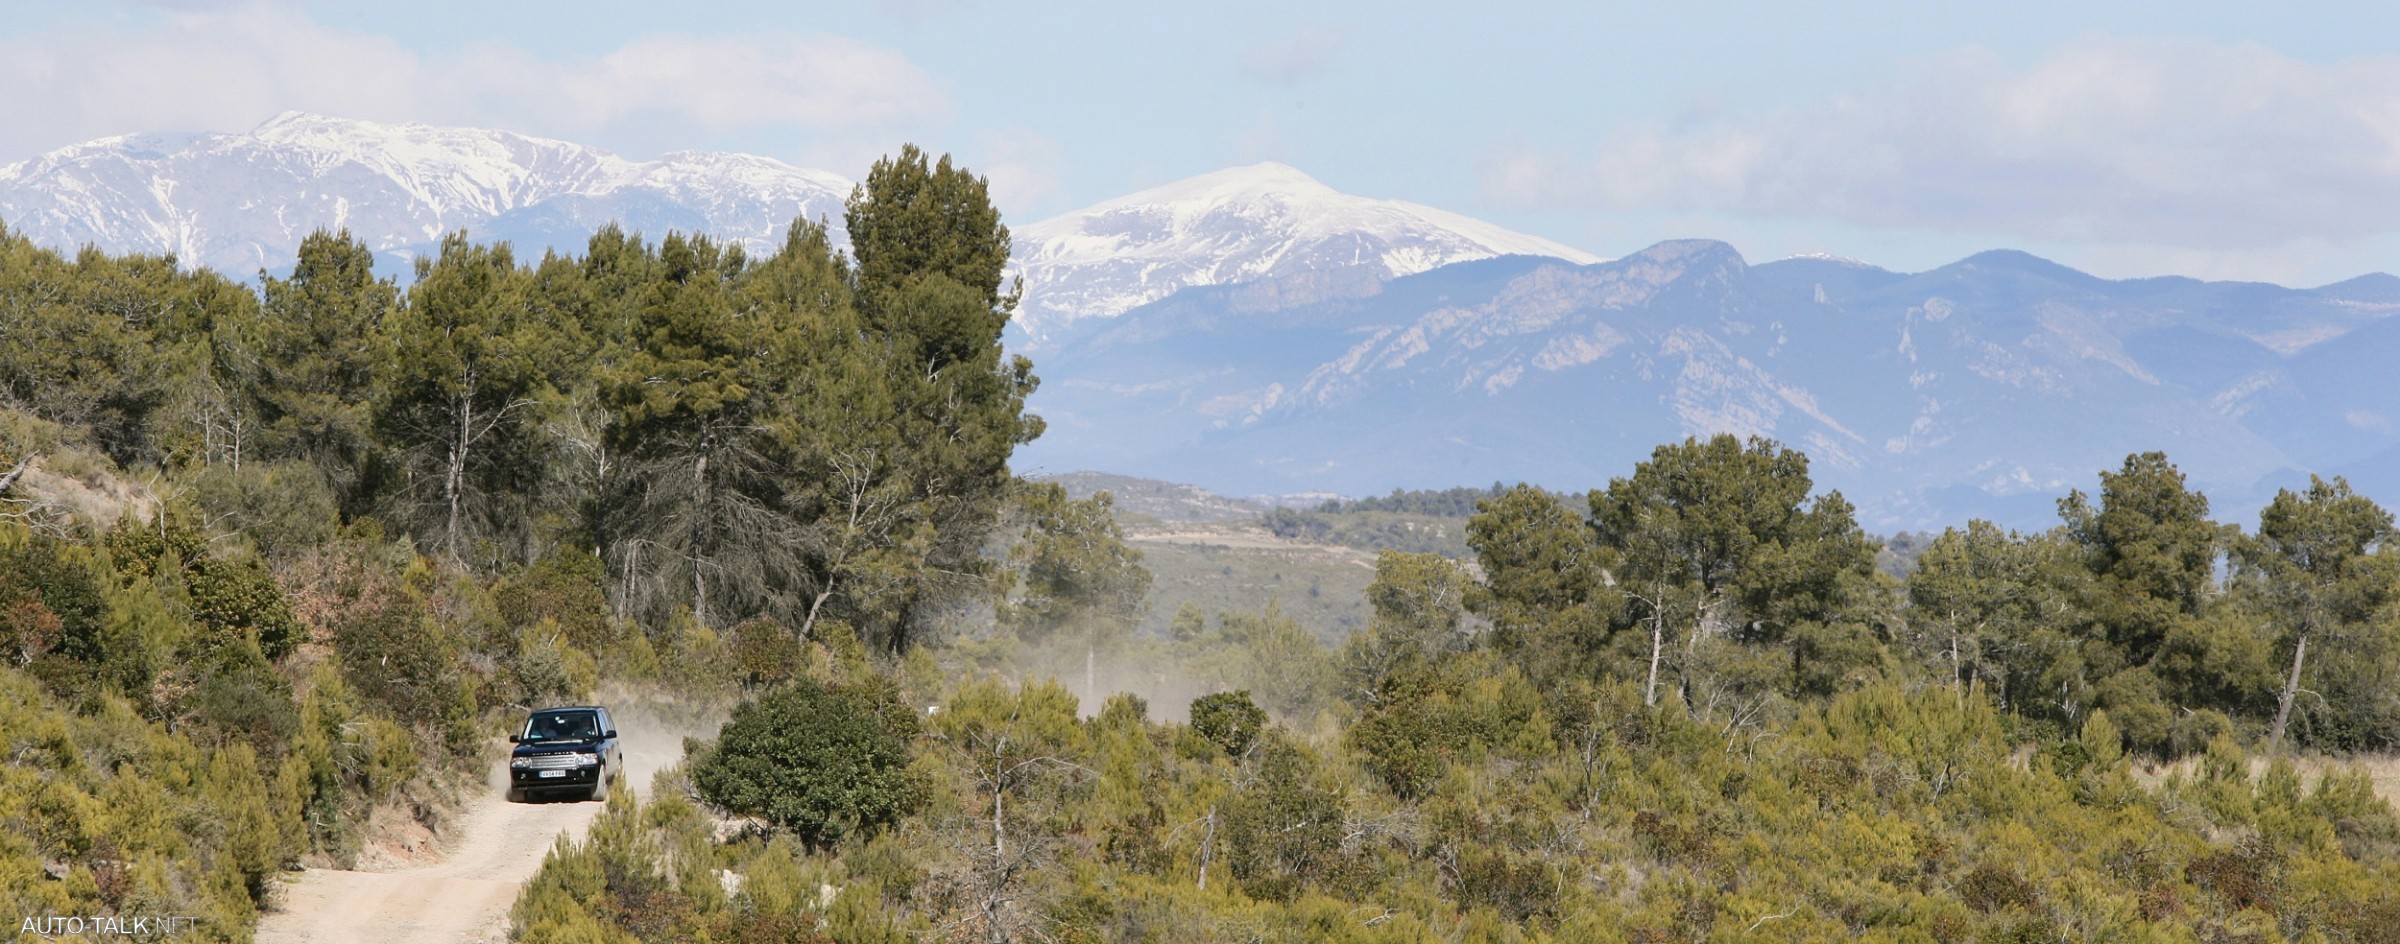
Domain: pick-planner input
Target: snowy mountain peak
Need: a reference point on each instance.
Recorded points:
(1264, 221)
(303, 127)
(242, 202)
(1254, 181)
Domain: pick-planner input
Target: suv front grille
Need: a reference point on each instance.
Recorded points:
(553, 761)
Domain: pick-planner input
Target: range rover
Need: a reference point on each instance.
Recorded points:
(564, 750)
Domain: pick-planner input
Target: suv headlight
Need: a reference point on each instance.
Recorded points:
(587, 760)
(520, 763)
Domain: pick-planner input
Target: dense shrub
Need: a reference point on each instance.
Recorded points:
(284, 508)
(766, 652)
(397, 657)
(1230, 720)
(565, 586)
(826, 762)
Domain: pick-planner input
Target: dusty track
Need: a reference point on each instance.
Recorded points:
(495, 846)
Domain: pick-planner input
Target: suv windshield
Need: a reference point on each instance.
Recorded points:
(562, 726)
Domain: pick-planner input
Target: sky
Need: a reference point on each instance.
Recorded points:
(2231, 141)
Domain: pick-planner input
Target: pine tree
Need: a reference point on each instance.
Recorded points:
(2324, 558)
(696, 506)
(322, 347)
(931, 253)
(1718, 539)
(463, 408)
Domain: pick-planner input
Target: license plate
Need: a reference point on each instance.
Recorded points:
(554, 773)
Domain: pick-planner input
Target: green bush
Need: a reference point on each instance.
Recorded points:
(1230, 720)
(238, 698)
(237, 598)
(824, 762)
(231, 598)
(565, 586)
(765, 652)
(548, 669)
(284, 508)
(56, 598)
(398, 657)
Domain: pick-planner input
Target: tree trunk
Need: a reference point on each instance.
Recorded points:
(627, 578)
(999, 848)
(2291, 691)
(1208, 846)
(1658, 640)
(456, 480)
(1956, 669)
(9, 478)
(808, 626)
(701, 537)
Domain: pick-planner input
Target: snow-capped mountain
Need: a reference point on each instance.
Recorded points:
(240, 203)
(1265, 223)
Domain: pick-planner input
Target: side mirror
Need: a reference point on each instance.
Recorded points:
(610, 734)
(516, 739)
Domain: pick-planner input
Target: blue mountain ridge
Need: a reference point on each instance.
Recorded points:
(1984, 388)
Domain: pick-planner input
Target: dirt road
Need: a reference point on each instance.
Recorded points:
(494, 847)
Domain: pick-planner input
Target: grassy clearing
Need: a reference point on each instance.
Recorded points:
(1240, 568)
(2383, 769)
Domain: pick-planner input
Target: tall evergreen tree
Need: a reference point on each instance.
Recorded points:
(931, 252)
(2152, 545)
(1719, 539)
(1977, 599)
(2149, 554)
(1546, 587)
(911, 221)
(696, 504)
(322, 346)
(462, 411)
(857, 529)
(93, 344)
(2324, 556)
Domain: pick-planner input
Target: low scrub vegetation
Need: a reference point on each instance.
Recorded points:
(1690, 705)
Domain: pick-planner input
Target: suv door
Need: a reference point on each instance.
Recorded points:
(611, 749)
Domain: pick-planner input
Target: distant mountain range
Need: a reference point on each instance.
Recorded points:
(240, 203)
(1257, 332)
(1984, 388)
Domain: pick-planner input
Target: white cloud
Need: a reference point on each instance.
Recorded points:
(1299, 57)
(718, 84)
(2164, 143)
(228, 69)
(1022, 165)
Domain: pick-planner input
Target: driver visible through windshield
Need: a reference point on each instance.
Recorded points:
(562, 726)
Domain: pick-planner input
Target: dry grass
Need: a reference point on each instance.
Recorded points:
(2385, 770)
(83, 487)
(1238, 567)
(2382, 769)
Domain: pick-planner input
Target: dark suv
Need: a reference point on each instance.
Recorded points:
(561, 750)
